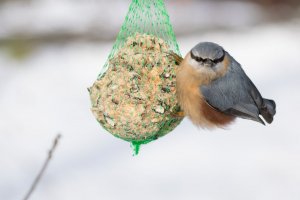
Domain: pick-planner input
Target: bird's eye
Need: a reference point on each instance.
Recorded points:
(217, 60)
(198, 59)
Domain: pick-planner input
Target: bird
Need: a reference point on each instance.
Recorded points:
(213, 90)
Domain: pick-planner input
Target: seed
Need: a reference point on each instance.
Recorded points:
(159, 109)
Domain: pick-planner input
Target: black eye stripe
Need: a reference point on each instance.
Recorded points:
(199, 59)
(219, 59)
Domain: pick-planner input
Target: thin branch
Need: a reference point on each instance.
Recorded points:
(45, 165)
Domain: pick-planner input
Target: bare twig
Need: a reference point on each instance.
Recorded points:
(40, 174)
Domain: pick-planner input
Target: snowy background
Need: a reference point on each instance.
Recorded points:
(51, 51)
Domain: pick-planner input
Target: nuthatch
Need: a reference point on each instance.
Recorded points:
(213, 89)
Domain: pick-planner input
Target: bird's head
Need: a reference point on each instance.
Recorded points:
(207, 57)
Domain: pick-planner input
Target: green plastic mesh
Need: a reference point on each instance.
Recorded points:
(134, 95)
(145, 16)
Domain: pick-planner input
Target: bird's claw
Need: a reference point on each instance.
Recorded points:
(179, 114)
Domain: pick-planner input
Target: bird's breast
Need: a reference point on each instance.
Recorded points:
(193, 103)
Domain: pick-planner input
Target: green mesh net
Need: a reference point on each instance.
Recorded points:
(134, 96)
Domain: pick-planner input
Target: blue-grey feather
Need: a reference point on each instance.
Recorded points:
(208, 50)
(234, 93)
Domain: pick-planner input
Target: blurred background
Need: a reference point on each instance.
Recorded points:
(52, 50)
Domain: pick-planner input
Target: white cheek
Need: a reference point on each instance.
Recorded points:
(194, 64)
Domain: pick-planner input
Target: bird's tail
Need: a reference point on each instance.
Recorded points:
(268, 110)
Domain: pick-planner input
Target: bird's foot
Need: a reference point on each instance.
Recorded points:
(179, 114)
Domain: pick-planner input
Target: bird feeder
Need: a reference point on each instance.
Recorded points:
(134, 97)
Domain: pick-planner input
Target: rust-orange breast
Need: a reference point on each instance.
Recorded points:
(192, 101)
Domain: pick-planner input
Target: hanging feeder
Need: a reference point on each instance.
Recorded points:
(134, 96)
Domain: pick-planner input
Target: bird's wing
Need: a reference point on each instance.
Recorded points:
(233, 94)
